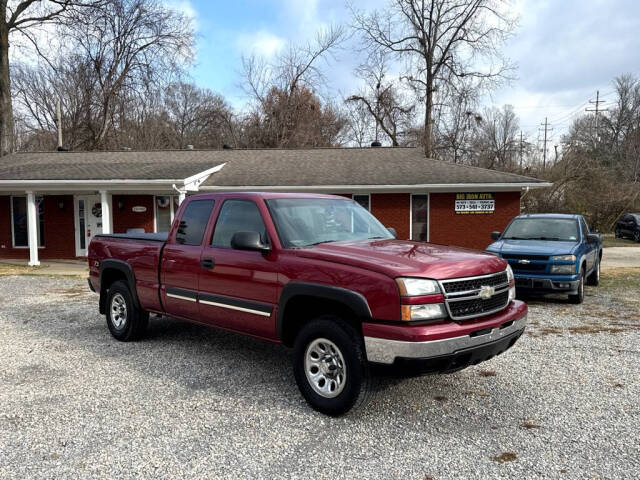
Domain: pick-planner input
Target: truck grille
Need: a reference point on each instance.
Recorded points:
(529, 267)
(515, 256)
(464, 285)
(464, 300)
(477, 307)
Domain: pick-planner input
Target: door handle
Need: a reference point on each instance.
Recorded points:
(207, 263)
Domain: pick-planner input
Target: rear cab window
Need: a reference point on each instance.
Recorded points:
(193, 222)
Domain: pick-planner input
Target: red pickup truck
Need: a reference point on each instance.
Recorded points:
(320, 274)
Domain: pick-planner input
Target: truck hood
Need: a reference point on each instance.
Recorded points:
(405, 258)
(533, 247)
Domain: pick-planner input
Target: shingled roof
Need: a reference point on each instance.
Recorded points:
(257, 168)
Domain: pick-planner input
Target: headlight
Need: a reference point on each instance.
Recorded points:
(563, 269)
(564, 258)
(429, 311)
(512, 283)
(510, 276)
(411, 287)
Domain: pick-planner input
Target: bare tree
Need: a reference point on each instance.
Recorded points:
(285, 94)
(383, 100)
(456, 121)
(359, 125)
(496, 143)
(129, 45)
(197, 116)
(440, 40)
(23, 16)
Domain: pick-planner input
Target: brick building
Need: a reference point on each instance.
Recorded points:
(52, 203)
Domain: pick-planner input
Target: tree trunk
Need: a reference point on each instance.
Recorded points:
(428, 144)
(6, 113)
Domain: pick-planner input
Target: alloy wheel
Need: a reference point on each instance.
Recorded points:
(118, 311)
(325, 368)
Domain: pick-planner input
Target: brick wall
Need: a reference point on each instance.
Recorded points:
(392, 209)
(126, 218)
(471, 231)
(59, 236)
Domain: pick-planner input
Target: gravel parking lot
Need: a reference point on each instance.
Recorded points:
(191, 402)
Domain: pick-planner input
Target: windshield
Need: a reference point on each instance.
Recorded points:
(559, 229)
(302, 222)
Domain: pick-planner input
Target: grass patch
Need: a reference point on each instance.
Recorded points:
(6, 269)
(611, 241)
(616, 278)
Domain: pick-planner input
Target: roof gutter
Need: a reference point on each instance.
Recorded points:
(448, 187)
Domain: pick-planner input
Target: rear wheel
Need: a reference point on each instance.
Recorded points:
(125, 321)
(579, 297)
(636, 236)
(330, 365)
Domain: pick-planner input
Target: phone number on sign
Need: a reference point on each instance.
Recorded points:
(475, 206)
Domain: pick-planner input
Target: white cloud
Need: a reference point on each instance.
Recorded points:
(261, 42)
(186, 8)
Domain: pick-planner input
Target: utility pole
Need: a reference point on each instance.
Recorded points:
(59, 122)
(544, 148)
(520, 150)
(596, 109)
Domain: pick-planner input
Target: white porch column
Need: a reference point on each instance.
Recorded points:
(32, 229)
(181, 197)
(105, 200)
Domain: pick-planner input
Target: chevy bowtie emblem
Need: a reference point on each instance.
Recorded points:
(525, 261)
(486, 292)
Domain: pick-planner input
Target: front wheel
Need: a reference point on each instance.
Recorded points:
(636, 236)
(330, 366)
(578, 297)
(618, 233)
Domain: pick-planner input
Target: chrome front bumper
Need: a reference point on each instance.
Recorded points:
(382, 350)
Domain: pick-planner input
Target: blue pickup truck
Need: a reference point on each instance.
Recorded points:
(550, 253)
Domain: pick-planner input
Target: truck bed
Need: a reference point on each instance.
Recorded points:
(141, 251)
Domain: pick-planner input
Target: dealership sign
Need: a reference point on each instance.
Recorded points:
(475, 203)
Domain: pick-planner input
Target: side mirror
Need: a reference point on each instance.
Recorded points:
(593, 237)
(249, 241)
(495, 235)
(393, 232)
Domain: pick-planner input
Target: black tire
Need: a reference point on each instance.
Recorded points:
(594, 278)
(356, 387)
(636, 236)
(618, 233)
(579, 297)
(125, 322)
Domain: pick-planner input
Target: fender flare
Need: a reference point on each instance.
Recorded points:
(127, 270)
(354, 300)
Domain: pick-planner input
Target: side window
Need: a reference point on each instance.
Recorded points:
(194, 222)
(585, 228)
(237, 216)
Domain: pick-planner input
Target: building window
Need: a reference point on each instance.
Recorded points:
(165, 207)
(420, 218)
(19, 221)
(363, 200)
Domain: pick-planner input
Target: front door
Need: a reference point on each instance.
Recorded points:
(88, 221)
(238, 287)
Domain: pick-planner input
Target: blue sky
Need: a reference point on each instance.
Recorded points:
(565, 49)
